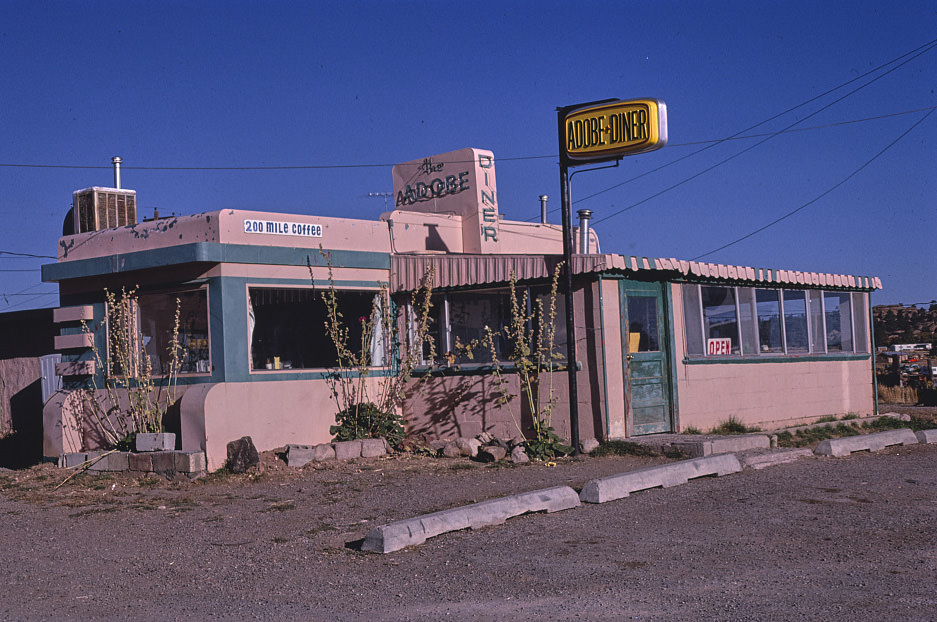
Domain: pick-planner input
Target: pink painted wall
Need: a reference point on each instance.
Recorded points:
(273, 414)
(767, 395)
(225, 226)
(465, 405)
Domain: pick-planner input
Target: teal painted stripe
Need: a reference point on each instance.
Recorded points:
(319, 284)
(819, 358)
(213, 252)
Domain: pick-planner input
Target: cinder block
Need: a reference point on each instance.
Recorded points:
(73, 459)
(347, 450)
(118, 461)
(98, 460)
(373, 447)
(164, 461)
(190, 461)
(140, 462)
(155, 441)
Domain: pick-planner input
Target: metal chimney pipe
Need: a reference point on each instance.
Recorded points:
(584, 216)
(116, 160)
(543, 209)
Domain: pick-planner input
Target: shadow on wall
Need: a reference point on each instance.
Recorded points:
(454, 406)
(23, 447)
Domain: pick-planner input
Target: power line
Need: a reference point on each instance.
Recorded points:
(932, 45)
(819, 196)
(25, 255)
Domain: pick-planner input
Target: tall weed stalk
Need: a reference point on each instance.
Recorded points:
(372, 409)
(133, 401)
(531, 335)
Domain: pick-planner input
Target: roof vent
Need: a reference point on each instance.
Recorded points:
(98, 208)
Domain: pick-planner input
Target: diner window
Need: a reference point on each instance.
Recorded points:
(768, 311)
(860, 324)
(742, 320)
(470, 314)
(460, 319)
(151, 317)
(288, 330)
(720, 320)
(838, 321)
(796, 332)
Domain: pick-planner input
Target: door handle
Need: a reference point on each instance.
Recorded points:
(630, 356)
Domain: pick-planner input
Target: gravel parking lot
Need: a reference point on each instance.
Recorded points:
(832, 538)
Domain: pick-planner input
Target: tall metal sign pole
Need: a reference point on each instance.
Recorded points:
(588, 133)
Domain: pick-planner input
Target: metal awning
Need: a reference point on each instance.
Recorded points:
(466, 270)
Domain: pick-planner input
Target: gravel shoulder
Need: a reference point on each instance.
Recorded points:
(841, 538)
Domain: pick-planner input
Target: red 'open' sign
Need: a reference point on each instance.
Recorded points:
(715, 347)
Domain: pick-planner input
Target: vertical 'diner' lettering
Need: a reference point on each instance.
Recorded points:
(489, 204)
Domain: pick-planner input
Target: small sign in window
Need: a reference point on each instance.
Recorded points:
(716, 347)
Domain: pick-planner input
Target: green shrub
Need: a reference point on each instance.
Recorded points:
(546, 445)
(733, 426)
(366, 420)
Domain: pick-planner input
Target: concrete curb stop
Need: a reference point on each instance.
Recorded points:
(409, 532)
(762, 460)
(619, 486)
(926, 436)
(838, 447)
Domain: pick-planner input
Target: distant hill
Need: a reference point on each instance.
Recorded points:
(900, 324)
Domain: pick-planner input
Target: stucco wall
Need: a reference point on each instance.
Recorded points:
(466, 405)
(768, 395)
(273, 414)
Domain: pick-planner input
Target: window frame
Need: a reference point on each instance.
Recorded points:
(137, 337)
(696, 337)
(315, 323)
(446, 358)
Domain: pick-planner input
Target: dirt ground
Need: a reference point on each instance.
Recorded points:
(839, 538)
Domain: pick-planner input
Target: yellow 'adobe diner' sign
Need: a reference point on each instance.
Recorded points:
(616, 129)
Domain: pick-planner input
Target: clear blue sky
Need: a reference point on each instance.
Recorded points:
(254, 84)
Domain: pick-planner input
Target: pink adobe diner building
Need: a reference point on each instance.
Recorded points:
(661, 344)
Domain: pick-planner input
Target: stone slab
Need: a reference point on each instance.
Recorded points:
(347, 450)
(299, 455)
(926, 436)
(323, 452)
(410, 532)
(373, 448)
(878, 441)
(723, 445)
(761, 460)
(619, 486)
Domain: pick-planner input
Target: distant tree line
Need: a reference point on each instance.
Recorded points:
(893, 324)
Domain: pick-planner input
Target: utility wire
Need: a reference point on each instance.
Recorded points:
(819, 196)
(25, 255)
(932, 45)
